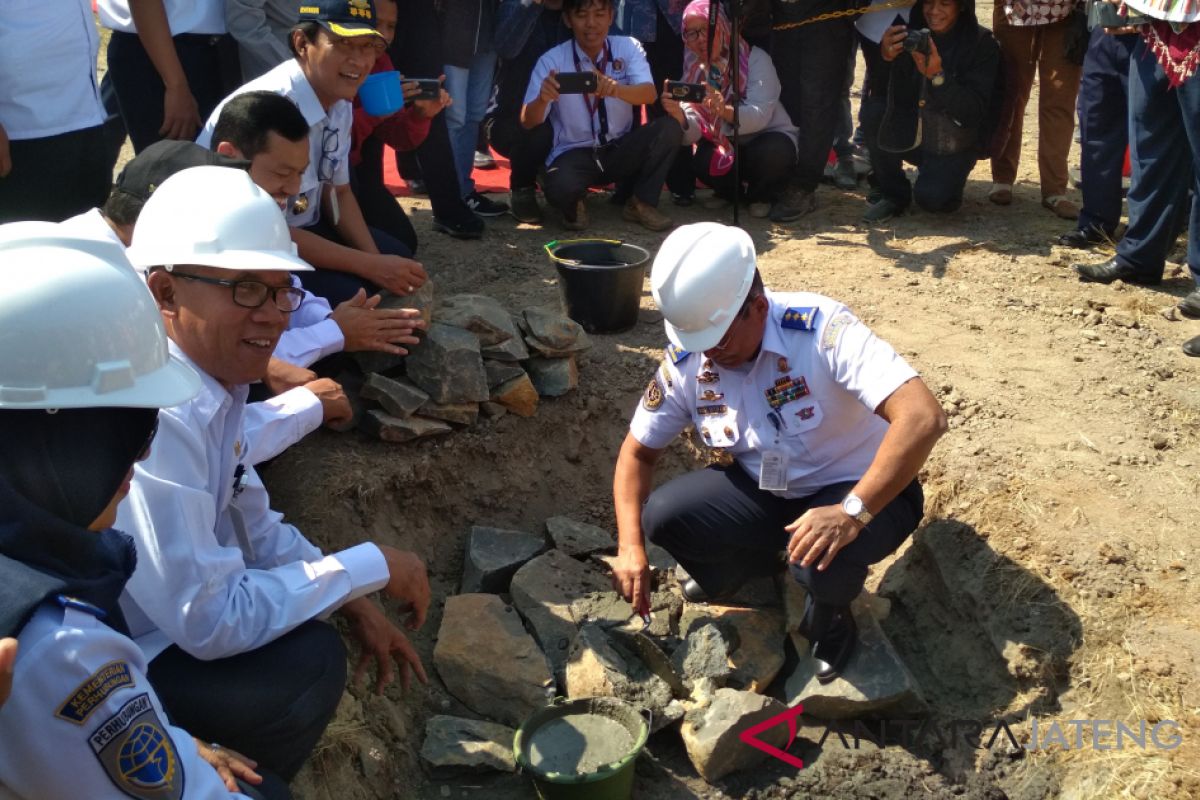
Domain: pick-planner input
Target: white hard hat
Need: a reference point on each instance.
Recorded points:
(700, 278)
(79, 328)
(213, 217)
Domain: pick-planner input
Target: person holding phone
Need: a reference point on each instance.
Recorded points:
(767, 140)
(594, 143)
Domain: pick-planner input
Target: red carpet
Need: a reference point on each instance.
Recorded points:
(486, 180)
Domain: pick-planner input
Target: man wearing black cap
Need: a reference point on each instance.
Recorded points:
(335, 45)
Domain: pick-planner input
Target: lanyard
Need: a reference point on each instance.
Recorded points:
(596, 109)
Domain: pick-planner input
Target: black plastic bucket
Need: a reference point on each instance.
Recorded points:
(601, 282)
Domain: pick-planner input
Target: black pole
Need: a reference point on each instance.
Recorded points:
(735, 64)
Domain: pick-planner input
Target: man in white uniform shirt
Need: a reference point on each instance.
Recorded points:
(827, 426)
(52, 157)
(227, 598)
(335, 45)
(593, 144)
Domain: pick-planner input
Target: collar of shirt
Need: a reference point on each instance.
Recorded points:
(772, 341)
(213, 397)
(302, 93)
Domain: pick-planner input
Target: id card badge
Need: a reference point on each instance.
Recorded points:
(772, 475)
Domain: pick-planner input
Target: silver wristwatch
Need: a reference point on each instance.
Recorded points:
(854, 507)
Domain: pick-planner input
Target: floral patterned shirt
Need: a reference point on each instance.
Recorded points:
(1027, 13)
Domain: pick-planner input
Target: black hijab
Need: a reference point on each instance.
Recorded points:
(58, 472)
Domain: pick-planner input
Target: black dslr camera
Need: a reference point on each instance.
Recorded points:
(917, 41)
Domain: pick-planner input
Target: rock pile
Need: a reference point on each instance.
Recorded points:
(475, 358)
(538, 618)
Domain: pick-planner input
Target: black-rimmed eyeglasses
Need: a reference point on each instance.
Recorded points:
(328, 163)
(252, 294)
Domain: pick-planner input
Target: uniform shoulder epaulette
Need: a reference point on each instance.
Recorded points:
(800, 318)
(676, 353)
(79, 605)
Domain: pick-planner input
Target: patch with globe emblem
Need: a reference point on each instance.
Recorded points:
(137, 752)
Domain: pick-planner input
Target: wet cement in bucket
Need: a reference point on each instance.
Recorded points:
(578, 744)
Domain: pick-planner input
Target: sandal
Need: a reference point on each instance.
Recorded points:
(1001, 194)
(1061, 206)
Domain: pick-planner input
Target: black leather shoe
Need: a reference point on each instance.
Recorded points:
(1190, 305)
(832, 652)
(693, 593)
(1192, 346)
(1113, 270)
(1081, 240)
(467, 228)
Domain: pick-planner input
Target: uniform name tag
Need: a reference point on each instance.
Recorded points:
(772, 475)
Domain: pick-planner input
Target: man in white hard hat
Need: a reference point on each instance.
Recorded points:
(227, 596)
(81, 385)
(826, 424)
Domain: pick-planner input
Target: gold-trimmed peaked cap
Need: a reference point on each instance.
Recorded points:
(345, 18)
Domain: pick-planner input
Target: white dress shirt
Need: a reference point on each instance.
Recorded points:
(48, 82)
(219, 572)
(184, 16)
(574, 124)
(328, 137)
(81, 701)
(811, 393)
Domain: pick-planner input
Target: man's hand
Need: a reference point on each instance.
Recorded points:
(365, 326)
(181, 115)
(549, 90)
(335, 406)
(408, 583)
(890, 44)
(282, 376)
(825, 529)
(8, 657)
(229, 764)
(631, 576)
(606, 86)
(928, 65)
(382, 641)
(397, 274)
(5, 154)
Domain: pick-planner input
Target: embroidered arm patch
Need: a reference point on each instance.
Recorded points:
(92, 693)
(137, 753)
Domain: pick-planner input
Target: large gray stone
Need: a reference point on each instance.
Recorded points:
(553, 377)
(512, 351)
(422, 300)
(487, 660)
(553, 334)
(875, 682)
(544, 590)
(479, 314)
(464, 414)
(600, 667)
(578, 538)
(757, 637)
(704, 654)
(394, 429)
(711, 732)
(493, 556)
(448, 367)
(468, 745)
(398, 396)
(499, 372)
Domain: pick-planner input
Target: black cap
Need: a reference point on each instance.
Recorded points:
(161, 160)
(346, 18)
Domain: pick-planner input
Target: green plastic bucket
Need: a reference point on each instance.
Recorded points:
(601, 282)
(557, 746)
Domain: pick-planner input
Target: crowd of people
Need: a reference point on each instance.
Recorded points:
(183, 320)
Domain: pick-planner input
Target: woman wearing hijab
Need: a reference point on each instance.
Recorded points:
(932, 101)
(767, 137)
(84, 369)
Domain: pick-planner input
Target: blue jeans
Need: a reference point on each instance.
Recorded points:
(470, 88)
(1164, 145)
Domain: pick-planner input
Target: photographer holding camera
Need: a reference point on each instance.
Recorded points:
(767, 146)
(932, 102)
